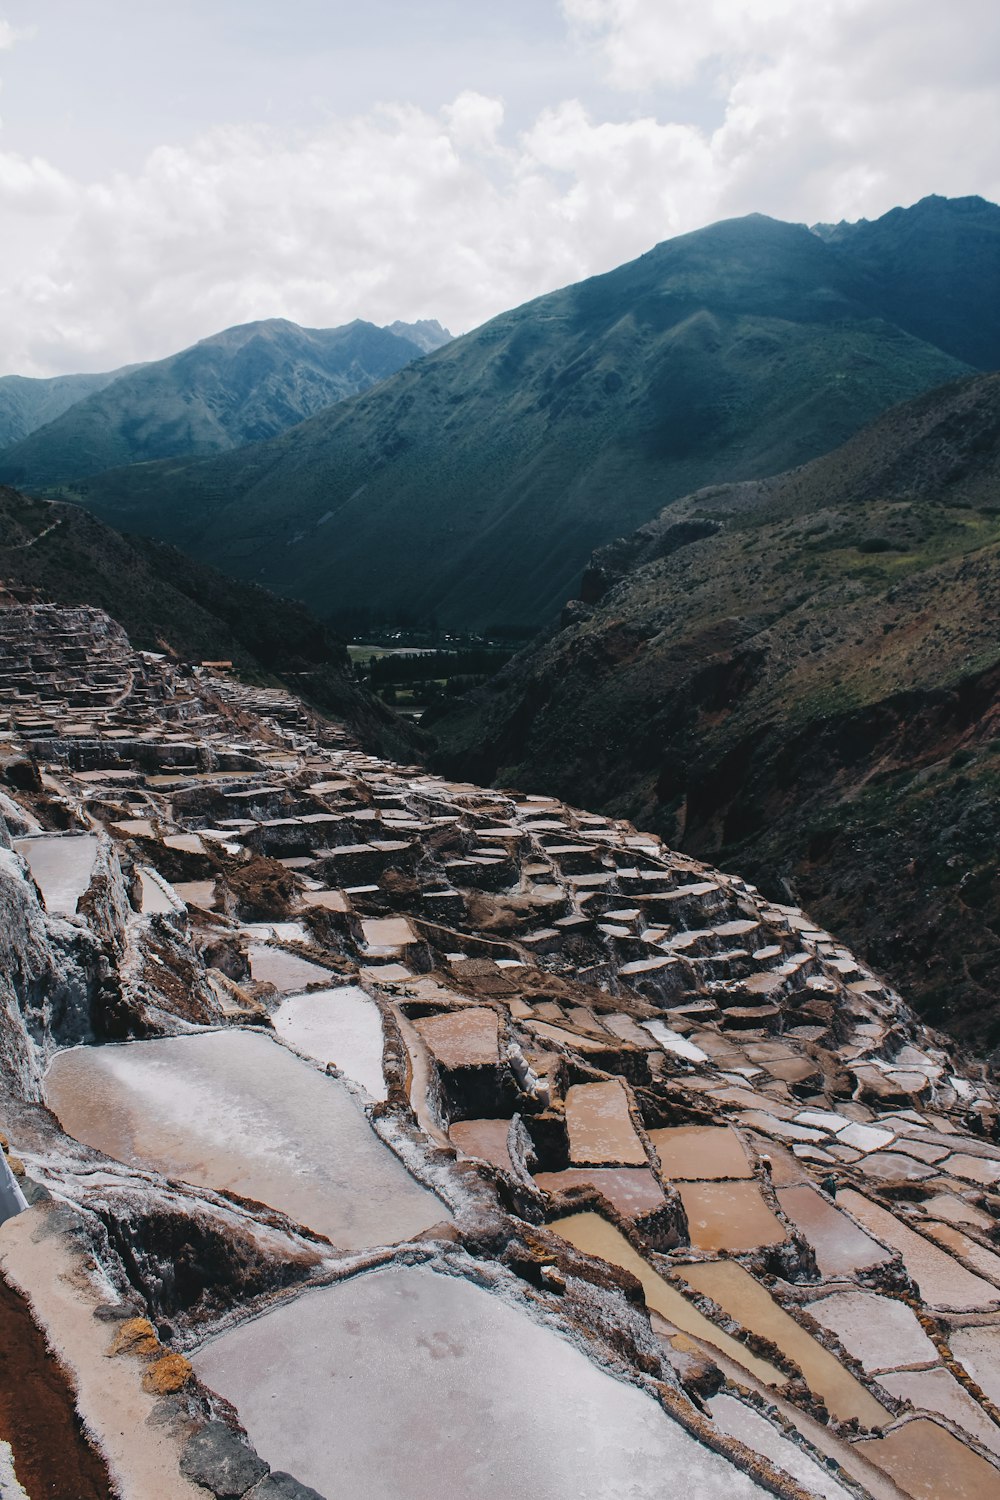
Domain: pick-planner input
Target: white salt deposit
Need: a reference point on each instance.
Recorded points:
(406, 1382)
(740, 1421)
(341, 1026)
(234, 1110)
(672, 1041)
(61, 865)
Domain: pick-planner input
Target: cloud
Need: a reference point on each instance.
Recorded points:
(838, 108)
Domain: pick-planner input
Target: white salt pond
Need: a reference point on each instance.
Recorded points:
(738, 1420)
(61, 865)
(235, 1111)
(340, 1026)
(404, 1381)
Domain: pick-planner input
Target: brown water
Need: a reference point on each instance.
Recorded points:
(929, 1463)
(744, 1299)
(600, 1126)
(729, 1216)
(693, 1152)
(595, 1236)
(236, 1111)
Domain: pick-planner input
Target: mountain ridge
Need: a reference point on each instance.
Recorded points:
(239, 385)
(473, 485)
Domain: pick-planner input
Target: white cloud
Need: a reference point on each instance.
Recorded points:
(827, 109)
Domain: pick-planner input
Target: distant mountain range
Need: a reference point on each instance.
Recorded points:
(166, 602)
(474, 484)
(242, 385)
(27, 403)
(799, 679)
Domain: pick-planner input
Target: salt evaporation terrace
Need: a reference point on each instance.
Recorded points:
(409, 1136)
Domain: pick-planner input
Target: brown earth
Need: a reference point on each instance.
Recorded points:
(52, 1456)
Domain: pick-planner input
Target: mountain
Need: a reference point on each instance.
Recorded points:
(924, 261)
(27, 403)
(475, 483)
(799, 678)
(167, 602)
(427, 333)
(239, 386)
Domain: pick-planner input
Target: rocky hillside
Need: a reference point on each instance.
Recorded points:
(27, 403)
(474, 484)
(169, 603)
(240, 386)
(798, 679)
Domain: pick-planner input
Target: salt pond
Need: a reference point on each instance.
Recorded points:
(61, 865)
(236, 1111)
(341, 1026)
(407, 1382)
(740, 1421)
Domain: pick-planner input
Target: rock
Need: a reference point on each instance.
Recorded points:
(167, 1375)
(219, 1461)
(135, 1336)
(281, 1486)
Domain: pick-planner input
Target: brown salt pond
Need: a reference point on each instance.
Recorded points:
(485, 1139)
(633, 1191)
(977, 1350)
(600, 1126)
(942, 1282)
(986, 1262)
(841, 1247)
(404, 1381)
(466, 1038)
(696, 1152)
(235, 1111)
(938, 1391)
(928, 1462)
(744, 1299)
(729, 1216)
(595, 1236)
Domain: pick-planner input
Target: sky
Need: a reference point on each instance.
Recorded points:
(168, 170)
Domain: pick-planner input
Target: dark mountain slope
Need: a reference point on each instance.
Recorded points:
(799, 679)
(166, 602)
(475, 483)
(937, 269)
(243, 385)
(27, 404)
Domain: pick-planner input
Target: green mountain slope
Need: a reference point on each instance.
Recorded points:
(799, 679)
(243, 385)
(474, 484)
(167, 602)
(27, 403)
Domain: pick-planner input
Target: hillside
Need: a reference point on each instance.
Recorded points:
(27, 403)
(167, 602)
(239, 386)
(474, 484)
(798, 679)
